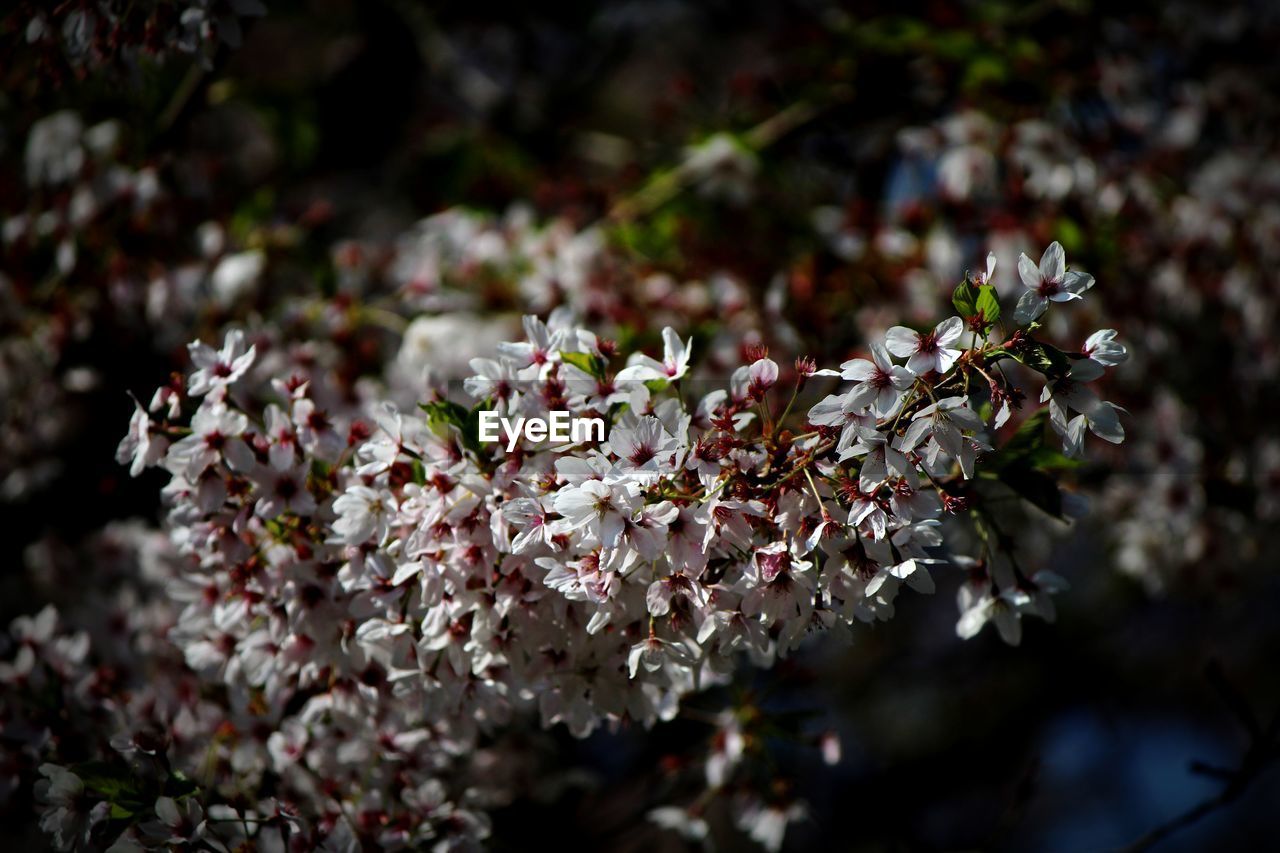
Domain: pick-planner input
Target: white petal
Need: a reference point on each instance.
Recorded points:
(827, 411)
(1103, 348)
(1105, 423)
(1073, 438)
(639, 373)
(921, 363)
(901, 341)
(857, 370)
(1007, 621)
(1002, 416)
(949, 330)
(921, 581)
(859, 398)
(1028, 271)
(167, 811)
(880, 356)
(1077, 282)
(946, 358)
(1086, 370)
(972, 620)
(901, 377)
(914, 435)
(1053, 263)
(672, 346)
(1030, 306)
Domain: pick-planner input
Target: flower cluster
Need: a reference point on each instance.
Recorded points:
(110, 33)
(1193, 227)
(376, 592)
(103, 245)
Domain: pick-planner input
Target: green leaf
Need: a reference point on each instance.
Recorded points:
(983, 70)
(1048, 459)
(1069, 234)
(592, 365)
(1028, 447)
(1028, 438)
(984, 531)
(998, 354)
(444, 413)
(656, 237)
(657, 386)
(1024, 461)
(965, 298)
(108, 781)
(470, 429)
(988, 304)
(1044, 358)
(178, 785)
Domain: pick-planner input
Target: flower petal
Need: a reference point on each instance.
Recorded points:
(949, 331)
(1053, 263)
(1030, 306)
(1028, 271)
(901, 341)
(1077, 282)
(857, 370)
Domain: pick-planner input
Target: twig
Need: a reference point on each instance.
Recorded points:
(186, 88)
(666, 185)
(1258, 757)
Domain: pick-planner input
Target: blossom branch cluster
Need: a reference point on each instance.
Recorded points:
(89, 37)
(402, 589)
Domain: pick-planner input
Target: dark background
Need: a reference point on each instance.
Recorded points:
(357, 118)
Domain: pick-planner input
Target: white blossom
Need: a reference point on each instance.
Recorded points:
(926, 351)
(1050, 282)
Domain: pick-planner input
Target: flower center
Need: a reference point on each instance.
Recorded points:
(642, 454)
(773, 565)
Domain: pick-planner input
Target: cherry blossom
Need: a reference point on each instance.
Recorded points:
(219, 368)
(1050, 282)
(674, 364)
(384, 585)
(926, 351)
(878, 383)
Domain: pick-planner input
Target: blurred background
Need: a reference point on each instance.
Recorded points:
(801, 174)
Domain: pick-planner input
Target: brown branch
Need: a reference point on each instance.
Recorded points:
(1262, 752)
